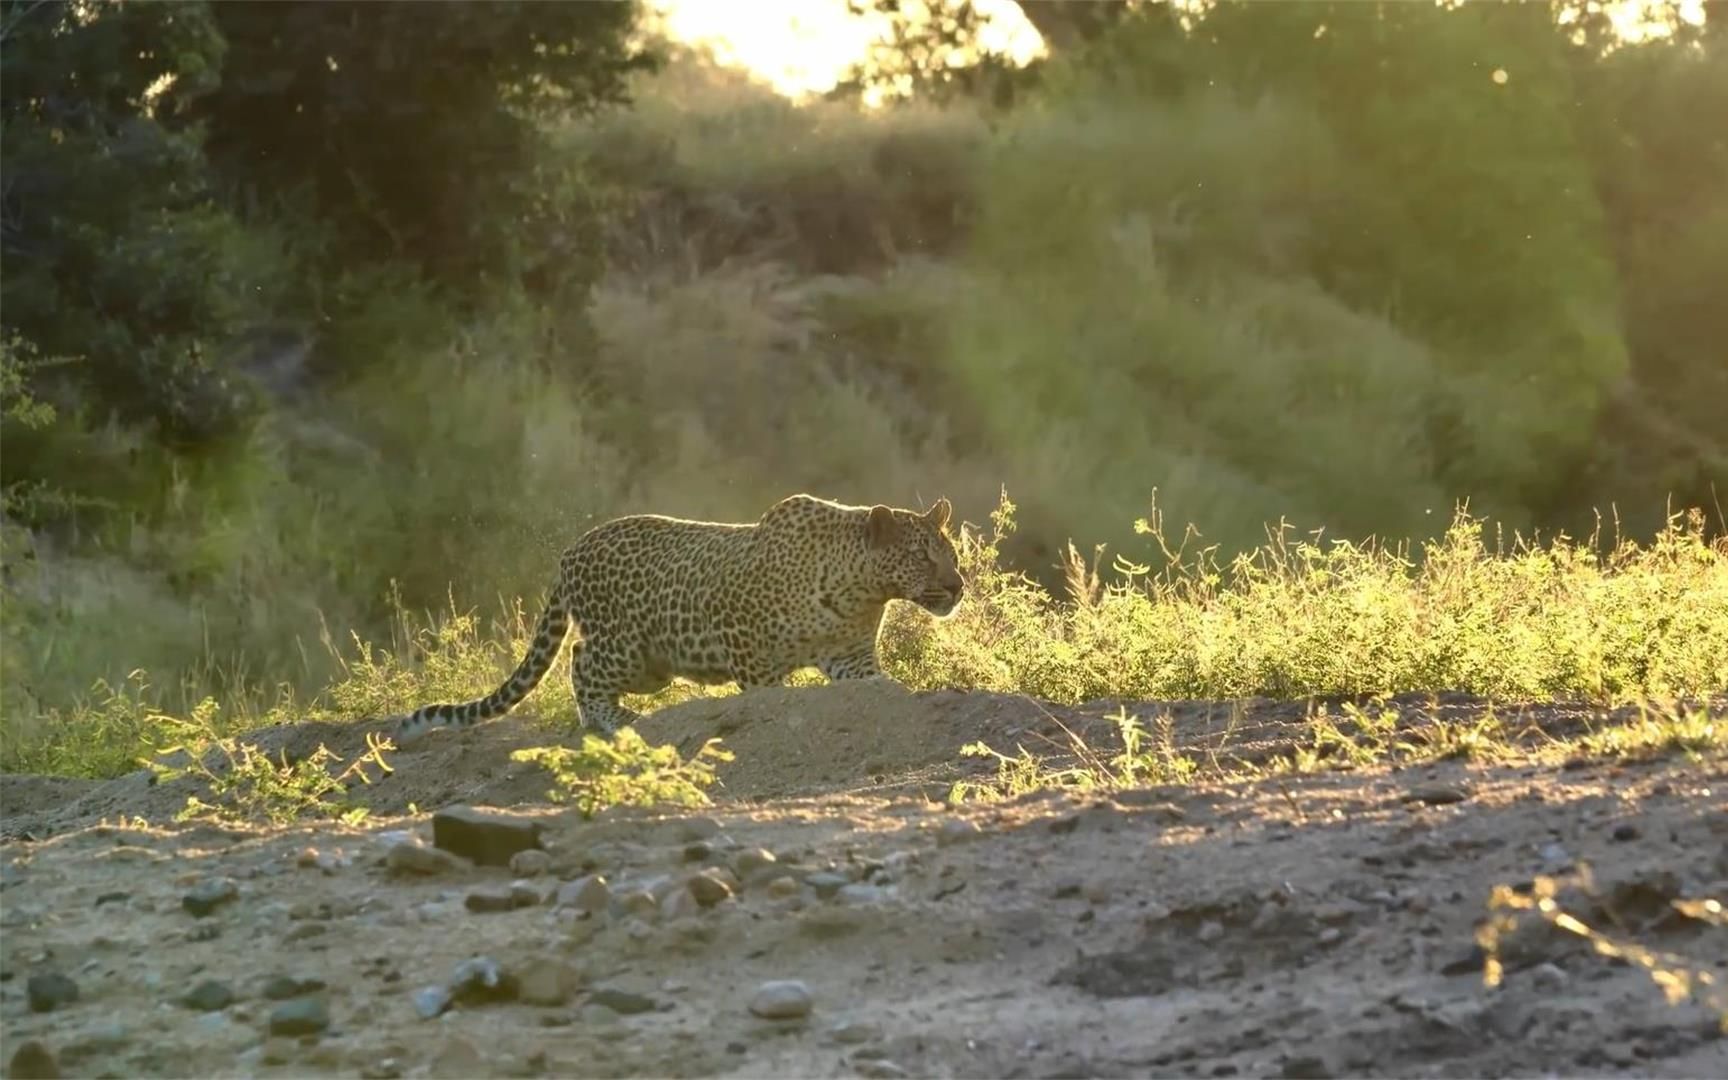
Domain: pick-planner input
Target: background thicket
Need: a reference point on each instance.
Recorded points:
(316, 313)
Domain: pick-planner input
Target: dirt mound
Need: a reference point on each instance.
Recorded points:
(789, 742)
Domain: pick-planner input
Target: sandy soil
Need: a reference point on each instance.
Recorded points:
(1320, 925)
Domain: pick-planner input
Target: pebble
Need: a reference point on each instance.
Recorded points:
(33, 1061)
(49, 991)
(1436, 795)
(1331, 935)
(208, 996)
(879, 1068)
(827, 884)
(530, 863)
(862, 894)
(302, 1016)
(1548, 976)
(1211, 930)
(956, 831)
(494, 898)
(698, 851)
(679, 904)
(781, 999)
(413, 858)
(1626, 831)
(488, 838)
(709, 887)
(754, 862)
(208, 895)
(480, 979)
(783, 887)
(851, 1032)
(432, 1001)
(590, 893)
(546, 982)
(625, 1002)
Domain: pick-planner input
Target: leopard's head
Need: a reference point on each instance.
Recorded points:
(915, 557)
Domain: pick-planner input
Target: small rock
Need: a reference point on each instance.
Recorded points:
(302, 1016)
(113, 898)
(530, 863)
(208, 996)
(33, 1061)
(878, 1068)
(546, 982)
(1211, 930)
(957, 831)
(491, 898)
(635, 901)
(851, 1032)
(479, 979)
(1306, 1067)
(488, 838)
(411, 858)
(858, 893)
(208, 895)
(526, 894)
(698, 851)
(781, 999)
(49, 991)
(753, 863)
(709, 887)
(1555, 858)
(679, 904)
(1548, 976)
(1331, 936)
(827, 883)
(1620, 1053)
(1066, 890)
(432, 1001)
(698, 828)
(1433, 795)
(783, 887)
(624, 1002)
(590, 894)
(1626, 831)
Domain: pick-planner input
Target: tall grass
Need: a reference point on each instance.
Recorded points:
(1294, 618)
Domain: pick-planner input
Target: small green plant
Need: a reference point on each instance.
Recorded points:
(1659, 730)
(251, 787)
(626, 771)
(1146, 757)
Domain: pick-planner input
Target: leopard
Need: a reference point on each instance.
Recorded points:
(648, 598)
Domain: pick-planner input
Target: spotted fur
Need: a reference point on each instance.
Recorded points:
(654, 597)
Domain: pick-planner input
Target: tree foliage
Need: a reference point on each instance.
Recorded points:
(411, 127)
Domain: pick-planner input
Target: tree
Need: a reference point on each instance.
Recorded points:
(412, 129)
(117, 253)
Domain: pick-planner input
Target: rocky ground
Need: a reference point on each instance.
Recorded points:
(830, 915)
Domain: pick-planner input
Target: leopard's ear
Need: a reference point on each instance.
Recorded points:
(880, 529)
(939, 514)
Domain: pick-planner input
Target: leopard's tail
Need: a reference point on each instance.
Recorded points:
(549, 637)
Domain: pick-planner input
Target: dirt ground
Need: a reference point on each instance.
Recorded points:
(1313, 925)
